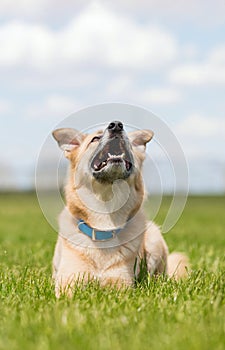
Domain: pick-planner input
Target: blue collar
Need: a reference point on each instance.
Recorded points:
(97, 235)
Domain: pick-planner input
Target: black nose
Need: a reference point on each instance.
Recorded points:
(115, 126)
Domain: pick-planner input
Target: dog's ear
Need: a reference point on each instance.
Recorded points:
(139, 138)
(68, 139)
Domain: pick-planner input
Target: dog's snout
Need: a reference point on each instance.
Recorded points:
(115, 126)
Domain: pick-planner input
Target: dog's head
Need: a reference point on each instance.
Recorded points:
(107, 155)
(99, 162)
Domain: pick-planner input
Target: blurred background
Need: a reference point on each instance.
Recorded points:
(167, 56)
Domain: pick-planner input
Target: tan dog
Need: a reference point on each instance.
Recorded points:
(103, 230)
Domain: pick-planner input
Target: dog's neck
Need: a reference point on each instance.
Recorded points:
(69, 229)
(104, 206)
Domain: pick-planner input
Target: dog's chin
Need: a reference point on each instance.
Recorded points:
(112, 170)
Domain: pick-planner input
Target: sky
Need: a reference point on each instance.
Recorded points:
(168, 57)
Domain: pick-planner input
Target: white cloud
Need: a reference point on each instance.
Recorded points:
(11, 7)
(198, 74)
(208, 72)
(95, 37)
(124, 87)
(160, 96)
(54, 106)
(25, 44)
(119, 85)
(190, 51)
(201, 126)
(39, 9)
(202, 137)
(5, 107)
(218, 55)
(200, 12)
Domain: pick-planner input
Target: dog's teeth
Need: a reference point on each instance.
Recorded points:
(95, 166)
(116, 155)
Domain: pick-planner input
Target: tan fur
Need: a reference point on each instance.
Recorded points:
(177, 265)
(79, 259)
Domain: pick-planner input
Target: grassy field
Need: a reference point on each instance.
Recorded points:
(157, 314)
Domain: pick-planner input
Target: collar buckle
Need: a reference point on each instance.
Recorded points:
(94, 239)
(93, 235)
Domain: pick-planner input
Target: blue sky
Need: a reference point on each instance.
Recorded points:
(57, 57)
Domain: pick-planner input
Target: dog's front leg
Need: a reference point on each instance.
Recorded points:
(154, 250)
(69, 267)
(118, 276)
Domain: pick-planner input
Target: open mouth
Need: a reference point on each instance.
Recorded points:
(114, 153)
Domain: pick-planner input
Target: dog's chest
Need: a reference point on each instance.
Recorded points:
(112, 264)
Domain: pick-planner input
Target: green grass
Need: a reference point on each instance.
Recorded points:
(156, 314)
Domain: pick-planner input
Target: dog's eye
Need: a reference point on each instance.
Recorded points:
(96, 138)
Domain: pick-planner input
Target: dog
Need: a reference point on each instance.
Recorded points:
(103, 232)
